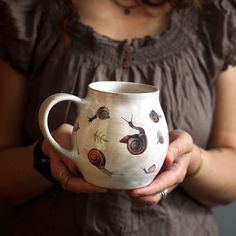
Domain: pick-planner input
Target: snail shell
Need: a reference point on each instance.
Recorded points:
(136, 144)
(103, 113)
(97, 158)
(154, 116)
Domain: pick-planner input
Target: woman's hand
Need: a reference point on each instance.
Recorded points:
(176, 165)
(62, 168)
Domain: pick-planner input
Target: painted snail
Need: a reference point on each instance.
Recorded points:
(136, 143)
(102, 113)
(97, 158)
(154, 116)
(150, 169)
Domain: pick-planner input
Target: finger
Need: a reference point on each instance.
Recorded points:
(63, 135)
(54, 154)
(78, 185)
(151, 200)
(147, 200)
(168, 160)
(70, 165)
(180, 143)
(173, 176)
(73, 183)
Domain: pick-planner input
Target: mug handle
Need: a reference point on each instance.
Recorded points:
(44, 110)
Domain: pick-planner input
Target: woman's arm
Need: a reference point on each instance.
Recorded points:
(216, 181)
(18, 180)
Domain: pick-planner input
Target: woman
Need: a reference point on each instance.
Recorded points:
(186, 48)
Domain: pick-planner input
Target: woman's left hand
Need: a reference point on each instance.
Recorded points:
(173, 172)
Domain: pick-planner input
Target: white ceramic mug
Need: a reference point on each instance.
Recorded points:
(120, 136)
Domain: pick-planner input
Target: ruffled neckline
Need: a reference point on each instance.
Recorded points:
(182, 23)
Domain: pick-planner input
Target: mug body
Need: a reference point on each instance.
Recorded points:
(120, 135)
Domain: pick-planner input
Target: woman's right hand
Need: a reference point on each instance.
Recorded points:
(62, 168)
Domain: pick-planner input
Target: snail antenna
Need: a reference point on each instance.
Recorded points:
(125, 119)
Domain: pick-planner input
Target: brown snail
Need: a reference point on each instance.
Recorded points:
(97, 158)
(102, 113)
(136, 143)
(154, 116)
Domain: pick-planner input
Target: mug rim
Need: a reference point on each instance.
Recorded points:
(147, 88)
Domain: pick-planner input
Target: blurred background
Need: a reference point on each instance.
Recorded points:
(225, 217)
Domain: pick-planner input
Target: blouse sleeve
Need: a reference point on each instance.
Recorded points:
(19, 22)
(231, 49)
(218, 27)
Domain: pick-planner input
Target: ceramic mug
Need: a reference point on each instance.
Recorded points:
(120, 136)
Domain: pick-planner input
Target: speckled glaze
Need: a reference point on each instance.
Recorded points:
(120, 137)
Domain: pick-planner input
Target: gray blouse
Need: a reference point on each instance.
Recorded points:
(183, 62)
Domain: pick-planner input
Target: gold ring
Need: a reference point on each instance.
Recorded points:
(64, 177)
